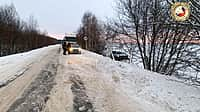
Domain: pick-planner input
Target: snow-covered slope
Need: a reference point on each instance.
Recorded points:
(150, 89)
(15, 65)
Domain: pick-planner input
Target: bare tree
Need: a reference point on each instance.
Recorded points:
(9, 20)
(93, 30)
(162, 42)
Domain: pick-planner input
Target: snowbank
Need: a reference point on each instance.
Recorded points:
(150, 89)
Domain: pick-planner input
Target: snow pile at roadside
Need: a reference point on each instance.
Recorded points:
(148, 88)
(15, 65)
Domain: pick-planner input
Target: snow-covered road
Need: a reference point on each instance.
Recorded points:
(13, 66)
(17, 84)
(90, 82)
(102, 92)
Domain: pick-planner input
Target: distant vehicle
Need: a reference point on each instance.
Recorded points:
(119, 56)
(74, 49)
(70, 39)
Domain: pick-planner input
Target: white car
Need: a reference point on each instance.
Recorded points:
(74, 49)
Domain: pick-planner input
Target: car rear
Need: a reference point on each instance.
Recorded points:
(74, 49)
(120, 55)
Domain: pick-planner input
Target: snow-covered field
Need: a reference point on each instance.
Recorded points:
(15, 65)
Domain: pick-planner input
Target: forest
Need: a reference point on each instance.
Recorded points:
(17, 35)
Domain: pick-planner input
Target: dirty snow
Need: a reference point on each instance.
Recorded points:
(15, 65)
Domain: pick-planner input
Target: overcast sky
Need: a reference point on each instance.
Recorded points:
(61, 16)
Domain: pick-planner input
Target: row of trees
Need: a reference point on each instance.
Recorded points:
(17, 35)
(92, 29)
(165, 46)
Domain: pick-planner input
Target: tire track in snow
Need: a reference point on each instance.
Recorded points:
(37, 94)
(81, 101)
(20, 73)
